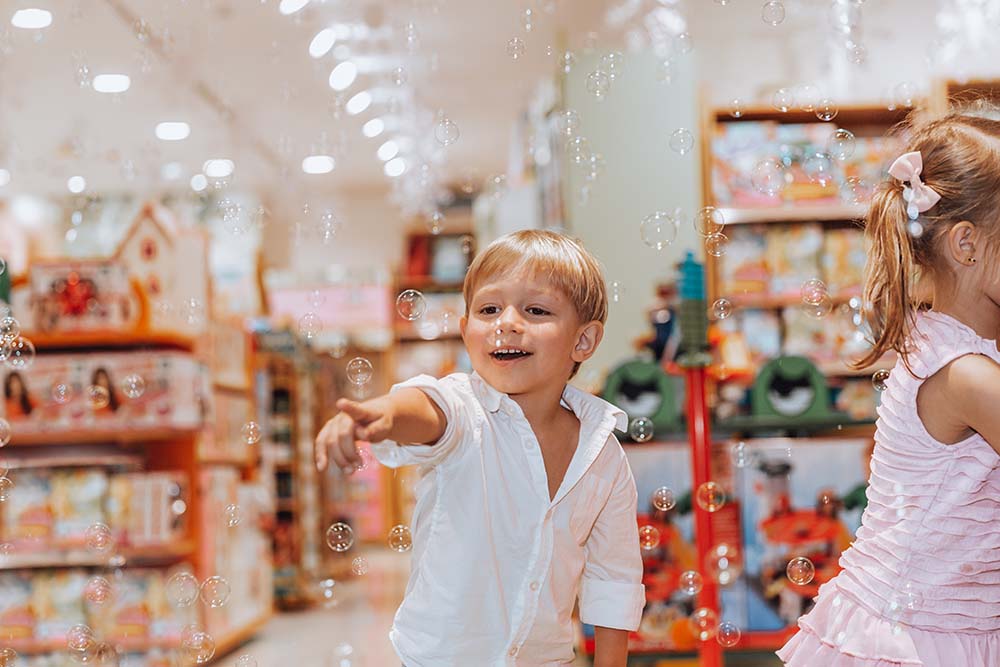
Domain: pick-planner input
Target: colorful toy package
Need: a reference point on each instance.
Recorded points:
(793, 255)
(844, 257)
(744, 269)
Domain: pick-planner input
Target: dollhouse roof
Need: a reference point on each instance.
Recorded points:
(155, 215)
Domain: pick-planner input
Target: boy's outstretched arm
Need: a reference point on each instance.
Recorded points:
(610, 647)
(408, 416)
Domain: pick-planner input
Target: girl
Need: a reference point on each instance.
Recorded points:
(18, 403)
(921, 584)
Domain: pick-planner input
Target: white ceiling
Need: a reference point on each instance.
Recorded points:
(201, 57)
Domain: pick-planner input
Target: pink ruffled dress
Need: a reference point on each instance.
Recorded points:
(921, 583)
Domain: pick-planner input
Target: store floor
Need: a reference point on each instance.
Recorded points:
(353, 632)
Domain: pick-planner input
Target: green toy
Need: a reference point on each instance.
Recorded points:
(642, 389)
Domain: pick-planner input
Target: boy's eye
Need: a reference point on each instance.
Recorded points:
(534, 310)
(488, 310)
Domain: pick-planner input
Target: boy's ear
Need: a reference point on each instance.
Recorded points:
(588, 337)
(462, 321)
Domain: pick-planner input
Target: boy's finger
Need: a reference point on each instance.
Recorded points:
(374, 432)
(357, 411)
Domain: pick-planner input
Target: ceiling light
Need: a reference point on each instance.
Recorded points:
(373, 128)
(318, 164)
(388, 150)
(199, 182)
(172, 130)
(76, 184)
(31, 19)
(343, 75)
(172, 171)
(111, 83)
(322, 43)
(291, 6)
(218, 168)
(395, 167)
(359, 103)
(4, 177)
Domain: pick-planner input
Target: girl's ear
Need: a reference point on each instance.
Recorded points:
(961, 243)
(588, 337)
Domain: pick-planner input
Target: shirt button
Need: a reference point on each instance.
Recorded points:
(513, 651)
(534, 585)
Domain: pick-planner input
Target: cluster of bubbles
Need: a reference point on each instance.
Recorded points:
(184, 589)
(16, 351)
(705, 625)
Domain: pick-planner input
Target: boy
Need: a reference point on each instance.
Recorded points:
(526, 500)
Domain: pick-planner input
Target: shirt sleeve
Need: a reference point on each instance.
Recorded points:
(447, 393)
(611, 592)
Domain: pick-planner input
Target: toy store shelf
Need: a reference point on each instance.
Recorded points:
(750, 424)
(126, 645)
(873, 114)
(770, 302)
(238, 636)
(796, 213)
(409, 336)
(63, 457)
(138, 555)
(110, 339)
(98, 435)
(429, 283)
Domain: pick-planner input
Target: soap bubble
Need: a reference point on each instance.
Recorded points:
(310, 325)
(98, 537)
(233, 515)
(721, 309)
(98, 397)
(819, 168)
(327, 590)
(611, 63)
(199, 647)
(598, 84)
(446, 131)
(649, 537)
(6, 485)
(715, 244)
(62, 393)
(857, 54)
(640, 429)
(663, 499)
(400, 539)
(813, 291)
(857, 191)
(826, 110)
(97, 590)
(615, 291)
(710, 497)
(709, 220)
(841, 144)
(736, 107)
(340, 537)
(742, 455)
(904, 94)
(567, 122)
(133, 386)
(879, 379)
(658, 230)
(783, 99)
(768, 177)
(818, 310)
(800, 570)
(515, 47)
(359, 566)
(704, 623)
(578, 149)
(20, 354)
(728, 634)
(215, 591)
(359, 371)
(724, 563)
(690, 582)
(681, 141)
(773, 12)
(251, 432)
(5, 431)
(8, 657)
(410, 304)
(79, 637)
(10, 328)
(182, 589)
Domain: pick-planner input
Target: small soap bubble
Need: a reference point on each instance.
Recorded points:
(435, 222)
(411, 305)
(327, 591)
(359, 371)
(826, 110)
(773, 12)
(704, 623)
(97, 590)
(233, 515)
(19, 354)
(800, 570)
(742, 455)
(567, 122)
(721, 309)
(768, 177)
(857, 54)
(819, 168)
(709, 220)
(578, 150)
(10, 328)
(783, 99)
(710, 497)
(813, 291)
(736, 107)
(340, 537)
(681, 44)
(879, 379)
(6, 486)
(598, 84)
(611, 63)
(199, 647)
(316, 299)
(400, 539)
(310, 325)
(716, 244)
(515, 47)
(527, 16)
(681, 141)
(566, 62)
(904, 94)
(729, 634)
(658, 230)
(79, 637)
(857, 190)
(98, 537)
(615, 291)
(818, 310)
(446, 131)
(640, 429)
(841, 144)
(649, 538)
(359, 566)
(690, 582)
(724, 564)
(133, 386)
(215, 591)
(5, 432)
(182, 589)
(251, 432)
(8, 657)
(663, 499)
(98, 397)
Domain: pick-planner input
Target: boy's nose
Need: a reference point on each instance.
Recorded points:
(509, 319)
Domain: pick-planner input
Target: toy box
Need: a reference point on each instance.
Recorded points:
(744, 268)
(844, 257)
(149, 508)
(793, 254)
(79, 296)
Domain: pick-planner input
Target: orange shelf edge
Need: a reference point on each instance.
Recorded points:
(110, 338)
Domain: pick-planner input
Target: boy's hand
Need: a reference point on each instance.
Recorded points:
(370, 421)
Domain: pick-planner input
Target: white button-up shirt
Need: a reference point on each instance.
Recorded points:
(496, 566)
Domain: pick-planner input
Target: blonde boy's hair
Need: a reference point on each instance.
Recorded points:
(558, 258)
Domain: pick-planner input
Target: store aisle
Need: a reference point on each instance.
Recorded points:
(351, 633)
